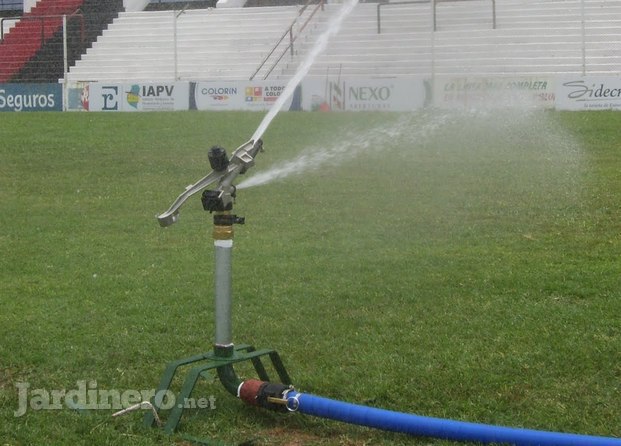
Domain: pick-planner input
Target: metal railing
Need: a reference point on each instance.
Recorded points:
(292, 39)
(435, 2)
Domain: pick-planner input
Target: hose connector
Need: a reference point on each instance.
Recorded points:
(270, 396)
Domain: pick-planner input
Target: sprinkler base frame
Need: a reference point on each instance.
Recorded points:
(211, 361)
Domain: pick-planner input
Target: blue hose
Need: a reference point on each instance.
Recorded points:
(436, 427)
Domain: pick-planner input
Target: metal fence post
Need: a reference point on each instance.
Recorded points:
(65, 64)
(175, 56)
(583, 36)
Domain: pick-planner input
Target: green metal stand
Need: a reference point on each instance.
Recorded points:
(210, 362)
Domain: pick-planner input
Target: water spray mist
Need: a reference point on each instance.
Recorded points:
(320, 45)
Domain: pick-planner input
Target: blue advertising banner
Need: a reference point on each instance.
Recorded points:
(31, 97)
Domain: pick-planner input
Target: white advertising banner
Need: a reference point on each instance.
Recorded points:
(138, 97)
(239, 95)
(493, 92)
(588, 93)
(356, 94)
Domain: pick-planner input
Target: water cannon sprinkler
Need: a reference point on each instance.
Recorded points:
(224, 171)
(218, 200)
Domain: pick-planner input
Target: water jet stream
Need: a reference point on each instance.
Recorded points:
(320, 45)
(349, 146)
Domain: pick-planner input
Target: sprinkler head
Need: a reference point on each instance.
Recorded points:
(224, 171)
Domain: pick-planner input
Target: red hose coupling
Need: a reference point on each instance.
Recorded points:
(264, 394)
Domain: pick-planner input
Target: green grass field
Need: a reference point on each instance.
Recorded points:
(460, 265)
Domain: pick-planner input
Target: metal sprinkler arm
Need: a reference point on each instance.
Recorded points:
(224, 173)
(172, 214)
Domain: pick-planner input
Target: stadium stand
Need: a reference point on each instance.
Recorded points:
(523, 37)
(30, 33)
(189, 45)
(32, 51)
(520, 37)
(441, 37)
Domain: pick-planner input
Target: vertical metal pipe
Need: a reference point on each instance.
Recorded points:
(223, 275)
(175, 55)
(65, 64)
(432, 38)
(583, 36)
(65, 56)
(291, 40)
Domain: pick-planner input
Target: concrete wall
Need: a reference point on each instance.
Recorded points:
(230, 3)
(135, 5)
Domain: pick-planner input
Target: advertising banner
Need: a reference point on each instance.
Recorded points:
(356, 94)
(31, 97)
(170, 96)
(494, 92)
(588, 93)
(239, 95)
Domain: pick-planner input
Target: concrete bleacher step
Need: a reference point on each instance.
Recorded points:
(205, 41)
(540, 33)
(531, 36)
